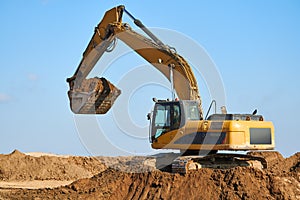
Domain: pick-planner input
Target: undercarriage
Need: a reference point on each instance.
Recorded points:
(185, 164)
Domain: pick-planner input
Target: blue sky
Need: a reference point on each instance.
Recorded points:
(254, 44)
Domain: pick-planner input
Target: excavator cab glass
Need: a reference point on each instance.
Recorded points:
(191, 109)
(172, 115)
(166, 116)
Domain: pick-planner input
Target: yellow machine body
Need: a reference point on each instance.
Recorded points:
(235, 135)
(238, 132)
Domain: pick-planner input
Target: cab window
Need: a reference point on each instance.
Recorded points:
(176, 117)
(162, 119)
(192, 110)
(167, 117)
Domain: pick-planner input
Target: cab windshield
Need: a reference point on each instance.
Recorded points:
(167, 117)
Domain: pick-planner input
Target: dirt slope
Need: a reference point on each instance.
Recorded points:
(21, 167)
(280, 181)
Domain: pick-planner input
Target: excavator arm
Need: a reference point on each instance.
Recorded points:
(98, 45)
(96, 96)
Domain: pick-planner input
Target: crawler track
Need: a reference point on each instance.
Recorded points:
(184, 164)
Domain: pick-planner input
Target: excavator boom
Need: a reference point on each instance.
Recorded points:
(86, 95)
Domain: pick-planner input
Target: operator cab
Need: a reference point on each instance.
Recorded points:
(171, 115)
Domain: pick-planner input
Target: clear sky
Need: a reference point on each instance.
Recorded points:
(255, 46)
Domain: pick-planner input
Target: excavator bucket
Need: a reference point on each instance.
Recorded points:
(94, 96)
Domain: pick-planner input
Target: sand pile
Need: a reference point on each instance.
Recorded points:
(18, 166)
(280, 181)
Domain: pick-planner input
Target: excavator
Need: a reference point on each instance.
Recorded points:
(176, 124)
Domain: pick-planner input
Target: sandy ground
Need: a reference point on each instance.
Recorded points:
(39, 154)
(49, 176)
(36, 184)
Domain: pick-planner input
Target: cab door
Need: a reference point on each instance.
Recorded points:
(166, 116)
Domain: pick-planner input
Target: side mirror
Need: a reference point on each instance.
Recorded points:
(148, 116)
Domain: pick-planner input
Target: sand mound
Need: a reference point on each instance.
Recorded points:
(18, 166)
(280, 181)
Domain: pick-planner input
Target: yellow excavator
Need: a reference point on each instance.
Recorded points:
(176, 124)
